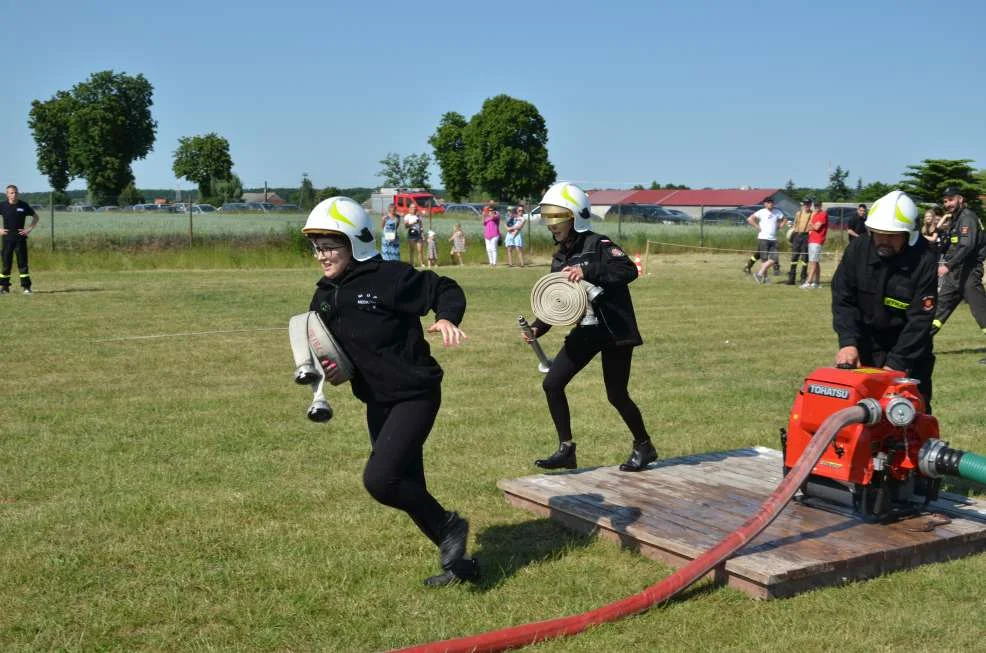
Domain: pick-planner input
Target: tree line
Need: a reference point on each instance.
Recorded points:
(98, 128)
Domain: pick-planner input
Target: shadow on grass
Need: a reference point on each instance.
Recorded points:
(967, 350)
(505, 550)
(67, 290)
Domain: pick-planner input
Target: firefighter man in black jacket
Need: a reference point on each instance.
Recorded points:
(373, 309)
(14, 213)
(884, 294)
(961, 270)
(593, 257)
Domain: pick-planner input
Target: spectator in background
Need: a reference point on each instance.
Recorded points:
(491, 231)
(389, 223)
(857, 225)
(766, 221)
(818, 229)
(458, 241)
(412, 222)
(515, 236)
(930, 230)
(432, 250)
(799, 243)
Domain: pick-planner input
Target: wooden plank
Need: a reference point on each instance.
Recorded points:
(680, 507)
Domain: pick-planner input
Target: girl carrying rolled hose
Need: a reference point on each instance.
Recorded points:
(373, 309)
(584, 255)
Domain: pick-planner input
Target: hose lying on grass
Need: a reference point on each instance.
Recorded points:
(507, 638)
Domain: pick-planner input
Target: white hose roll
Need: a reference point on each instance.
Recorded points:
(557, 301)
(320, 343)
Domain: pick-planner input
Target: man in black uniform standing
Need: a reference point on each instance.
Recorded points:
(961, 269)
(583, 254)
(884, 294)
(14, 238)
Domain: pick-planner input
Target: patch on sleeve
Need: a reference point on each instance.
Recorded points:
(928, 303)
(616, 251)
(964, 230)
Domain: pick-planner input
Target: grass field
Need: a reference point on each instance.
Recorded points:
(167, 493)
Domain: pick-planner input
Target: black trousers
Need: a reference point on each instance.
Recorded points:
(799, 253)
(871, 355)
(16, 244)
(575, 354)
(957, 285)
(395, 475)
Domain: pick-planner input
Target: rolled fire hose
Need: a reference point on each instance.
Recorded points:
(867, 411)
(557, 301)
(311, 343)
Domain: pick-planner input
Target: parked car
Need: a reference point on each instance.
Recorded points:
(198, 209)
(644, 213)
(840, 216)
(287, 208)
(262, 207)
(107, 208)
(681, 214)
(753, 208)
(463, 210)
(726, 216)
(233, 207)
(82, 208)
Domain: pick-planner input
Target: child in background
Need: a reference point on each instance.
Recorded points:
(458, 241)
(432, 249)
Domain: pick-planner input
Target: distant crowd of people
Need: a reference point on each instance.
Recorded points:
(807, 234)
(496, 230)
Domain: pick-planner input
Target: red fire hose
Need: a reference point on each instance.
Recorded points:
(517, 636)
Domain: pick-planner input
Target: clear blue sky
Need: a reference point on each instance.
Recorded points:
(703, 93)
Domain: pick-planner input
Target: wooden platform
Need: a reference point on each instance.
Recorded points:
(681, 507)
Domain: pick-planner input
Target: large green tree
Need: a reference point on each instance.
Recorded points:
(506, 149)
(926, 181)
(99, 129)
(49, 123)
(203, 160)
(449, 145)
(838, 191)
(306, 193)
(872, 191)
(225, 190)
(411, 171)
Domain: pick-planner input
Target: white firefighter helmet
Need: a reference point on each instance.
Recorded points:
(341, 215)
(565, 201)
(895, 212)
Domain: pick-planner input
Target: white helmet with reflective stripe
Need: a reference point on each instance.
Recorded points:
(565, 201)
(893, 213)
(341, 215)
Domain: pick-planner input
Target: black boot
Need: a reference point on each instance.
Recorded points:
(563, 458)
(452, 540)
(452, 551)
(642, 455)
(791, 274)
(462, 570)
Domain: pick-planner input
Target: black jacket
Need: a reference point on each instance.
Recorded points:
(604, 264)
(965, 244)
(886, 304)
(374, 312)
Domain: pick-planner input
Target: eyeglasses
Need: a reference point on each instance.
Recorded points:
(326, 248)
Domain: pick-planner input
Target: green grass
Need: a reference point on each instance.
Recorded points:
(168, 494)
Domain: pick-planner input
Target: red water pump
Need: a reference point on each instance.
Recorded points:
(873, 469)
